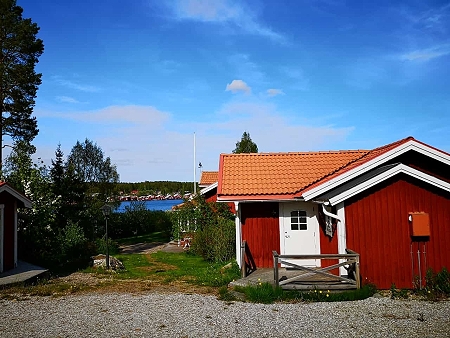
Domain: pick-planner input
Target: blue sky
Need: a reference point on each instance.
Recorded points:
(140, 77)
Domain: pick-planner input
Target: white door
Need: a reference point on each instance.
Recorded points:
(301, 231)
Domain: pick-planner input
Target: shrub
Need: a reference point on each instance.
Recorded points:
(437, 285)
(213, 227)
(113, 246)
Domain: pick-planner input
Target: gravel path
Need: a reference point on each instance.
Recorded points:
(182, 315)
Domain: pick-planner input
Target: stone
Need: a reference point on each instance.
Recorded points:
(100, 261)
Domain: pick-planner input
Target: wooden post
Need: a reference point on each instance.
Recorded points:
(275, 269)
(357, 277)
(243, 267)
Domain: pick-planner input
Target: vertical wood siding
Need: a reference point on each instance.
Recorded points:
(260, 228)
(328, 245)
(378, 228)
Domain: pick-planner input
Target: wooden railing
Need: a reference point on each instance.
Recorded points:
(305, 277)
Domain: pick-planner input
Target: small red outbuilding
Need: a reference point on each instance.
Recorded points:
(10, 200)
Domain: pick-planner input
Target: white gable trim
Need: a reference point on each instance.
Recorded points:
(7, 188)
(377, 161)
(399, 168)
(209, 188)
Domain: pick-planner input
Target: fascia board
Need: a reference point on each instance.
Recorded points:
(400, 168)
(209, 188)
(27, 203)
(379, 160)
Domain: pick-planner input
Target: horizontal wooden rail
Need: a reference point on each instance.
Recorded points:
(351, 258)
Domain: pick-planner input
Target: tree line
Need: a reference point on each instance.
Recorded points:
(153, 187)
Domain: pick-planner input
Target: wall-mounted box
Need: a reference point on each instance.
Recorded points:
(420, 224)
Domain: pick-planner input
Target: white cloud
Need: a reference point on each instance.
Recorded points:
(238, 86)
(67, 99)
(274, 92)
(148, 144)
(426, 54)
(224, 12)
(130, 114)
(76, 86)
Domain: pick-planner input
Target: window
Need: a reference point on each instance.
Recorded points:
(298, 220)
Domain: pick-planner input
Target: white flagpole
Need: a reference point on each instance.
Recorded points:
(195, 169)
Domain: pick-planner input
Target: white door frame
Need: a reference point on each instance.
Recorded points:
(312, 220)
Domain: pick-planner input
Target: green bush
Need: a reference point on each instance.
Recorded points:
(100, 245)
(210, 224)
(216, 242)
(437, 285)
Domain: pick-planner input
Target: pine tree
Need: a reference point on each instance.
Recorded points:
(20, 51)
(69, 191)
(245, 145)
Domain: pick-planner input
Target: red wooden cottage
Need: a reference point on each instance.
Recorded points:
(10, 200)
(390, 204)
(208, 183)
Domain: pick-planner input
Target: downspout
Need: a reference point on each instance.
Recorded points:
(326, 212)
(329, 214)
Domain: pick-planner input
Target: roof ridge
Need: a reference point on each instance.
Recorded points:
(335, 171)
(389, 145)
(302, 152)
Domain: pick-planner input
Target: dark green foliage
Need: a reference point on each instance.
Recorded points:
(100, 245)
(245, 145)
(61, 227)
(20, 51)
(89, 163)
(216, 242)
(437, 285)
(396, 294)
(211, 225)
(137, 220)
(69, 191)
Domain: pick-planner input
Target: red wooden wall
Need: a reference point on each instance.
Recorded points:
(261, 230)
(211, 196)
(378, 228)
(328, 245)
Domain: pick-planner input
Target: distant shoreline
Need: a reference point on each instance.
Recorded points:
(154, 205)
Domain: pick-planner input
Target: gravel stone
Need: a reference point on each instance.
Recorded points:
(193, 315)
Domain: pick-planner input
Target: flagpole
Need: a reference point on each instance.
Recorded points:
(195, 169)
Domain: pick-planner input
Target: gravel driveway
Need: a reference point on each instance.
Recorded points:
(184, 315)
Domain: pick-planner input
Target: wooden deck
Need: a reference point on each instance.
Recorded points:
(290, 274)
(23, 272)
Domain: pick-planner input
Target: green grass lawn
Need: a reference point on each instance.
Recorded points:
(170, 267)
(163, 237)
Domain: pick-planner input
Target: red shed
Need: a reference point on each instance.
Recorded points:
(390, 204)
(10, 200)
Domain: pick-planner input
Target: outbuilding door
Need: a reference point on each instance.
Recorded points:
(300, 231)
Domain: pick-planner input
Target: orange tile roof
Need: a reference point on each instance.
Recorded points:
(208, 178)
(284, 175)
(365, 158)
